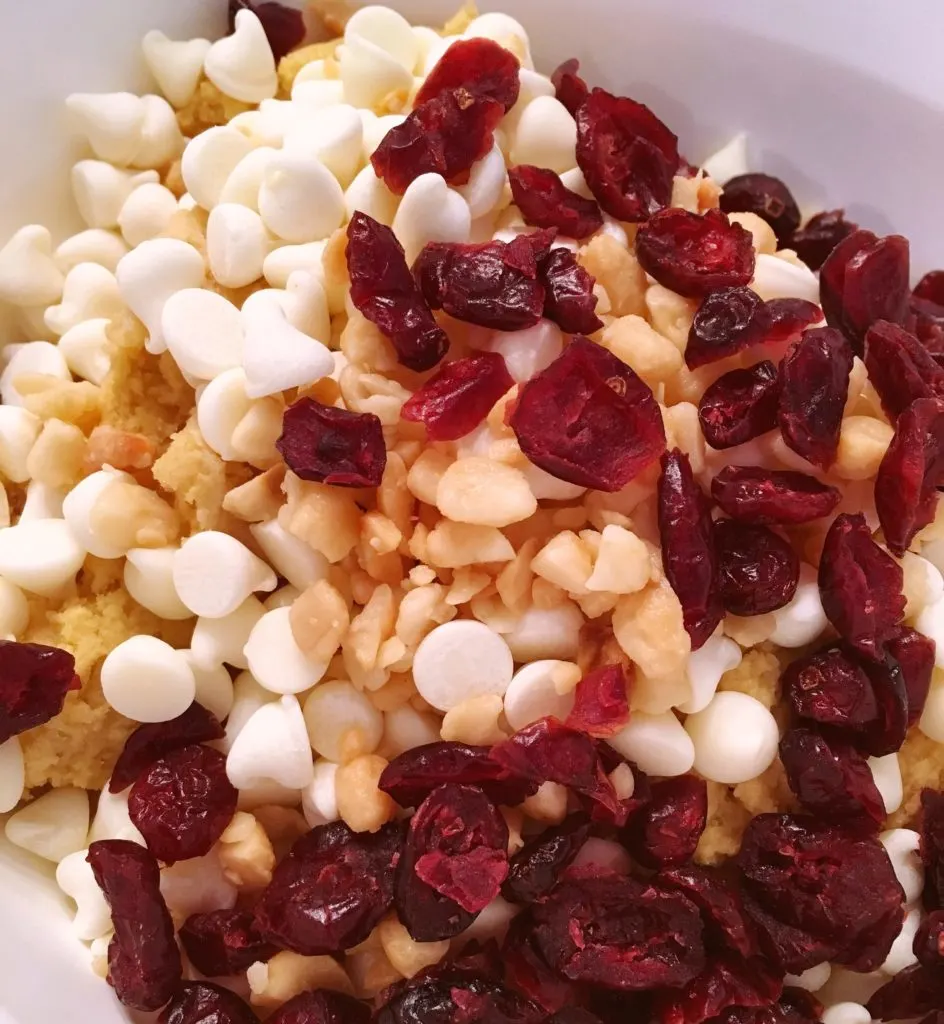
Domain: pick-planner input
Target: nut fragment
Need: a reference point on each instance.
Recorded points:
(565, 561)
(287, 974)
(246, 854)
(622, 564)
(323, 517)
(406, 955)
(670, 314)
(131, 516)
(420, 610)
(479, 491)
(56, 458)
(548, 804)
(425, 474)
(451, 545)
(765, 241)
(654, 357)
(319, 618)
(648, 626)
(363, 806)
(863, 441)
(259, 499)
(475, 721)
(370, 627)
(617, 270)
(119, 449)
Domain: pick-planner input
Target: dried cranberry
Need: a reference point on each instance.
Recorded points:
(202, 1002)
(459, 396)
(804, 882)
(183, 802)
(446, 135)
(740, 405)
(284, 26)
(453, 863)
(618, 933)
(34, 682)
(887, 733)
(547, 751)
(143, 958)
(569, 87)
(830, 778)
(758, 570)
(727, 925)
(321, 1007)
(411, 776)
(860, 585)
(795, 1006)
(480, 67)
(546, 202)
(831, 687)
(331, 890)
(601, 702)
(693, 254)
(149, 742)
(568, 294)
(688, 549)
(726, 981)
(932, 847)
(929, 941)
(864, 279)
(900, 367)
(627, 806)
(536, 868)
(223, 942)
(573, 1015)
(384, 290)
(914, 653)
(527, 971)
(772, 497)
(665, 832)
(627, 155)
(910, 993)
(912, 469)
(588, 419)
(766, 196)
(926, 306)
(820, 235)
(814, 381)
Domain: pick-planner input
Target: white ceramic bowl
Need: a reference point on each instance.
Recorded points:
(842, 99)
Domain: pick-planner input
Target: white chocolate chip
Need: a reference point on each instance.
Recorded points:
(281, 263)
(532, 694)
(101, 190)
(161, 140)
(292, 558)
(300, 199)
(430, 211)
(846, 1013)
(28, 274)
(406, 728)
(40, 556)
(237, 245)
(546, 136)
(33, 357)
(728, 162)
(658, 744)
(93, 915)
(775, 278)
(220, 408)
(903, 846)
(112, 819)
(52, 826)
(146, 680)
(214, 688)
(886, 774)
(19, 429)
(902, 955)
(529, 351)
(244, 181)
(203, 331)
(14, 610)
(12, 774)
(342, 722)
(334, 136)
(94, 245)
(546, 633)
(78, 511)
(42, 502)
(272, 746)
(802, 619)
(241, 65)
(486, 183)
(459, 660)
(216, 641)
(176, 66)
(89, 291)
(146, 213)
(735, 738)
(812, 979)
(377, 57)
(276, 660)
(111, 123)
(85, 349)
(149, 579)
(706, 666)
(208, 161)
(214, 574)
(368, 194)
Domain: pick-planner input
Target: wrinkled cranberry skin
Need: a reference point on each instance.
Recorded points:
(183, 803)
(456, 399)
(601, 702)
(911, 470)
(864, 279)
(766, 497)
(627, 155)
(766, 196)
(665, 832)
(383, 289)
(795, 1006)
(34, 682)
(149, 742)
(321, 1007)
(859, 585)
(331, 890)
(727, 926)
(914, 653)
(223, 942)
(814, 383)
(831, 687)
(478, 65)
(526, 971)
(804, 882)
(536, 868)
(758, 570)
(284, 26)
(589, 419)
(740, 405)
(725, 982)
(887, 733)
(900, 367)
(143, 959)
(568, 294)
(820, 235)
(202, 1002)
(927, 309)
(573, 1015)
(912, 992)
(693, 254)
(688, 549)
(411, 776)
(618, 933)
(546, 202)
(931, 828)
(569, 87)
(929, 941)
(831, 779)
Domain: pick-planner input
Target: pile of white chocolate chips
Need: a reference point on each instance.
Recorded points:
(152, 529)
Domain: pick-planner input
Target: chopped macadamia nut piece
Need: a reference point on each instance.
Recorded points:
(246, 854)
(319, 618)
(654, 357)
(451, 545)
(622, 564)
(617, 270)
(565, 561)
(475, 721)
(648, 626)
(287, 974)
(408, 956)
(361, 805)
(325, 518)
(479, 491)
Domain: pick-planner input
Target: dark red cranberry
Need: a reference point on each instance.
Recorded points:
(546, 202)
(570, 88)
(331, 890)
(666, 830)
(143, 958)
(772, 497)
(830, 687)
(931, 826)
(900, 367)
(814, 380)
(384, 290)
(758, 570)
(914, 653)
(688, 549)
(321, 1007)
(149, 742)
(695, 254)
(820, 235)
(411, 776)
(445, 135)
(527, 971)
(865, 279)
(927, 309)
(887, 733)
(573, 1015)
(183, 803)
(929, 941)
(727, 981)
(766, 196)
(909, 994)
(860, 585)
(536, 868)
(568, 294)
(612, 931)
(284, 26)
(795, 1006)
(727, 926)
(740, 405)
(480, 67)
(223, 942)
(34, 682)
(804, 881)
(910, 473)
(588, 419)
(627, 806)
(459, 396)
(601, 702)
(202, 1002)
(627, 155)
